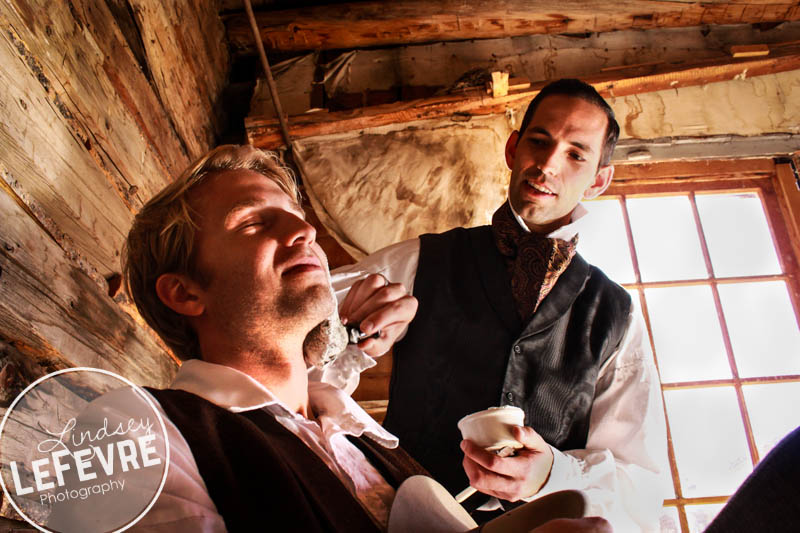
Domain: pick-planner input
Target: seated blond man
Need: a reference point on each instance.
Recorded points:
(224, 266)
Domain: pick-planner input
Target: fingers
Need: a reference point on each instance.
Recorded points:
(486, 481)
(377, 305)
(511, 478)
(360, 292)
(503, 466)
(528, 437)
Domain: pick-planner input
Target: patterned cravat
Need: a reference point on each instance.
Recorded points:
(534, 261)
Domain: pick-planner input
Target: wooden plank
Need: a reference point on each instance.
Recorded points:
(47, 165)
(55, 315)
(374, 384)
(186, 50)
(265, 133)
(366, 24)
(789, 200)
(98, 90)
(750, 50)
(89, 138)
(717, 169)
(17, 371)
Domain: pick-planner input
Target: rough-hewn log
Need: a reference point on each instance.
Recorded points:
(91, 128)
(188, 57)
(47, 161)
(662, 172)
(366, 24)
(622, 82)
(54, 314)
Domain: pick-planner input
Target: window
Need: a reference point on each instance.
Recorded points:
(710, 264)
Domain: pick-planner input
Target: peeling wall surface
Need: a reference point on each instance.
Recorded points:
(383, 187)
(749, 106)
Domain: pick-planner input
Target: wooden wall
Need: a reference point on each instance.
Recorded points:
(101, 103)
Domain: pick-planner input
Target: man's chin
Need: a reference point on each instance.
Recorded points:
(314, 302)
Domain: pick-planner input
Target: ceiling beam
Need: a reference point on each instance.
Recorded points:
(265, 133)
(367, 24)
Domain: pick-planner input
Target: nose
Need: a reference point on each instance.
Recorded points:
(299, 231)
(548, 161)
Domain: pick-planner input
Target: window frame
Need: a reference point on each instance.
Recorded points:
(691, 179)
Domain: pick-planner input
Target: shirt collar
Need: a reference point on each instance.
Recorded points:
(565, 232)
(236, 391)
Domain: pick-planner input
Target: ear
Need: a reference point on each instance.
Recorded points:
(180, 294)
(511, 148)
(601, 182)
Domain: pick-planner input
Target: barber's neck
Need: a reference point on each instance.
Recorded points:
(543, 229)
(279, 366)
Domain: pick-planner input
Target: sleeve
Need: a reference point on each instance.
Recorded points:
(184, 503)
(624, 470)
(398, 264)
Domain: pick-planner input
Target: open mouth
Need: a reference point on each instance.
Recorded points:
(539, 188)
(302, 265)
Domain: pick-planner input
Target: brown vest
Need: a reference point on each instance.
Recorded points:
(261, 476)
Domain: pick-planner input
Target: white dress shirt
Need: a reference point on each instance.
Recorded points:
(185, 505)
(623, 469)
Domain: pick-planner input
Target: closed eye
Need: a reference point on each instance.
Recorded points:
(248, 224)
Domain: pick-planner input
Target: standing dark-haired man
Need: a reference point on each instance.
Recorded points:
(509, 314)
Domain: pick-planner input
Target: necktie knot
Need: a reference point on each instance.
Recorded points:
(534, 261)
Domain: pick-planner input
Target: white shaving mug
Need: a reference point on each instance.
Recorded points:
(491, 429)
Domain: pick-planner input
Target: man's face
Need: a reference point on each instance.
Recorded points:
(554, 164)
(264, 268)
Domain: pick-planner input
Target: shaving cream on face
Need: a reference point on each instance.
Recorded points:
(328, 339)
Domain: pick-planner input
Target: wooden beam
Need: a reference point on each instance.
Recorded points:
(56, 316)
(789, 197)
(683, 171)
(265, 133)
(365, 24)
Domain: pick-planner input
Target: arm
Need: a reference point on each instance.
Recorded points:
(184, 503)
(623, 468)
(385, 308)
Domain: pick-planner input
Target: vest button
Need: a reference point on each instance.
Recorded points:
(510, 397)
(517, 349)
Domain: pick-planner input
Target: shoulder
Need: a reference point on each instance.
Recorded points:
(456, 236)
(606, 287)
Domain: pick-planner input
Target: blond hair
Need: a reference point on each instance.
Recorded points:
(162, 238)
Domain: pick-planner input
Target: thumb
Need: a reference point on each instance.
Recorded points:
(528, 437)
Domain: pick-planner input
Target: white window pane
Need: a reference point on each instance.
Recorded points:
(669, 522)
(687, 334)
(604, 241)
(769, 417)
(737, 235)
(710, 444)
(700, 516)
(666, 240)
(762, 327)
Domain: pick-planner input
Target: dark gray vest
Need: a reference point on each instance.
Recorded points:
(467, 350)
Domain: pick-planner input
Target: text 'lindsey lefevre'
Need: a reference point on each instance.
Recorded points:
(125, 454)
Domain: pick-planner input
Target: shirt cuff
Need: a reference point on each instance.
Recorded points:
(562, 475)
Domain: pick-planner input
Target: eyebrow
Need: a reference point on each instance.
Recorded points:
(245, 205)
(576, 144)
